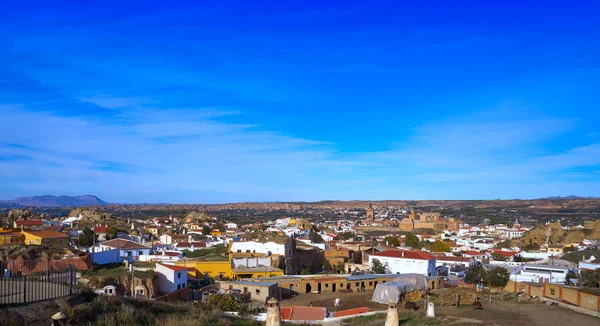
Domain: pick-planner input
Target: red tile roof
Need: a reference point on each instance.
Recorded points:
(308, 313)
(504, 253)
(47, 234)
(405, 254)
(350, 312)
(172, 253)
(28, 222)
(55, 228)
(285, 313)
(101, 229)
(174, 267)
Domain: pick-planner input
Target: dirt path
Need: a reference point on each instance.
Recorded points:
(521, 314)
(498, 313)
(325, 299)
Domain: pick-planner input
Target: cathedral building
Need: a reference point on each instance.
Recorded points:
(428, 221)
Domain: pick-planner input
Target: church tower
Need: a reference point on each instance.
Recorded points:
(370, 213)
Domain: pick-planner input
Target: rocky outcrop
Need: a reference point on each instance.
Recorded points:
(90, 213)
(196, 216)
(558, 235)
(20, 214)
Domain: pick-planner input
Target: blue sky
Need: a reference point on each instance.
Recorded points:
(226, 101)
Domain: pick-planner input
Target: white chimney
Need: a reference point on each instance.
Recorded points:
(402, 253)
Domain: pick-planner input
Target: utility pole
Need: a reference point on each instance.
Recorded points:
(132, 281)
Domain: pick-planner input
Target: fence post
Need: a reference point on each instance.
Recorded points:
(24, 288)
(70, 279)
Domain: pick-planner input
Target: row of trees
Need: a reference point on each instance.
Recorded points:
(414, 242)
(497, 277)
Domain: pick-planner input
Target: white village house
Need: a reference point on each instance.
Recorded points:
(171, 278)
(404, 261)
(127, 249)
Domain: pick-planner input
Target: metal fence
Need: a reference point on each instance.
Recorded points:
(24, 281)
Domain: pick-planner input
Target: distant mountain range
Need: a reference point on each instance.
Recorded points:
(47, 200)
(568, 197)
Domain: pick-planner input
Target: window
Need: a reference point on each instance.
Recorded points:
(48, 242)
(327, 285)
(182, 285)
(239, 250)
(140, 253)
(248, 251)
(178, 286)
(552, 292)
(370, 283)
(179, 275)
(257, 292)
(60, 241)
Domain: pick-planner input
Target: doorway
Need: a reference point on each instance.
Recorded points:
(308, 288)
(333, 287)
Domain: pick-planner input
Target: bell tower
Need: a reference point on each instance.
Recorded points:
(370, 213)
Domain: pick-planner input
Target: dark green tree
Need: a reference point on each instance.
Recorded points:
(590, 279)
(346, 236)
(392, 241)
(206, 230)
(377, 267)
(86, 238)
(412, 241)
(476, 274)
(219, 226)
(504, 244)
(112, 233)
(570, 276)
(440, 246)
(498, 277)
(10, 221)
(315, 237)
(327, 266)
(530, 247)
(498, 257)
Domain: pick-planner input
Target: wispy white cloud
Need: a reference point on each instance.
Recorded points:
(183, 152)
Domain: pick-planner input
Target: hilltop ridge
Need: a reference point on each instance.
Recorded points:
(49, 200)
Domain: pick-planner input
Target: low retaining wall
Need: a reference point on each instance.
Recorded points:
(558, 293)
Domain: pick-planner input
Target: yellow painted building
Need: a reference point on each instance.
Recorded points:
(256, 272)
(216, 233)
(556, 249)
(214, 268)
(293, 222)
(11, 236)
(219, 269)
(154, 230)
(45, 237)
